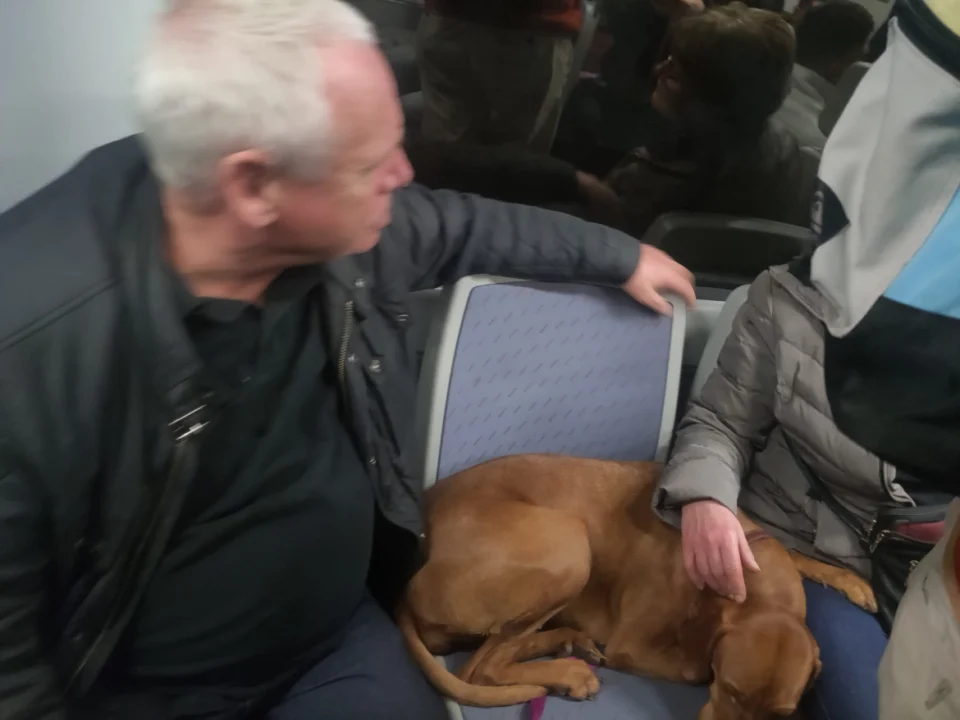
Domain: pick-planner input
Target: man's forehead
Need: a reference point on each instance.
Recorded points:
(353, 70)
(358, 83)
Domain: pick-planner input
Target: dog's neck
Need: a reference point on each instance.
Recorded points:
(756, 535)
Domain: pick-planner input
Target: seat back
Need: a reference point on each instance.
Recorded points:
(724, 251)
(406, 70)
(520, 367)
(718, 336)
(412, 104)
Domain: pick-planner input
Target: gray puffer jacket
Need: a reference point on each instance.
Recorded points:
(768, 385)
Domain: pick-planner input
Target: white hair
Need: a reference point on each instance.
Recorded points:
(220, 76)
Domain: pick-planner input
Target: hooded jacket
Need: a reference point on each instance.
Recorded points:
(888, 213)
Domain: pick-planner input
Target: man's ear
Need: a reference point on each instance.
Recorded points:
(248, 185)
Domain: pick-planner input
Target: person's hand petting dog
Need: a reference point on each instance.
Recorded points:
(715, 549)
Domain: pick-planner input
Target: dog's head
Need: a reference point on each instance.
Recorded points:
(761, 668)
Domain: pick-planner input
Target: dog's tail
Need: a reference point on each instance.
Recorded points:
(449, 684)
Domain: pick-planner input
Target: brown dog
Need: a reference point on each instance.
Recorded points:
(520, 542)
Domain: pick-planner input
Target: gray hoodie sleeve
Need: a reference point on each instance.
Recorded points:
(731, 418)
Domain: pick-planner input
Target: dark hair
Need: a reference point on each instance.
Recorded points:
(771, 5)
(833, 31)
(735, 64)
(776, 6)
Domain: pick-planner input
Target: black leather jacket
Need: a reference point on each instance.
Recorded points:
(98, 415)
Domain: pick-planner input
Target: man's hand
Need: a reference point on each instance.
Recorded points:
(658, 273)
(715, 549)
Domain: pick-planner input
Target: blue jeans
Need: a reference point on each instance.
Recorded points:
(851, 645)
(365, 674)
(369, 676)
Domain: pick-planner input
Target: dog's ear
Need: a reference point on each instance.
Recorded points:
(817, 667)
(789, 707)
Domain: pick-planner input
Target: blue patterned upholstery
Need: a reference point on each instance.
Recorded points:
(564, 369)
(622, 697)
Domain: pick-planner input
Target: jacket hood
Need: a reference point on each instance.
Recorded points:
(887, 206)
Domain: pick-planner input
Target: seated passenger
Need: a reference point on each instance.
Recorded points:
(830, 38)
(725, 75)
(727, 72)
(494, 72)
(759, 437)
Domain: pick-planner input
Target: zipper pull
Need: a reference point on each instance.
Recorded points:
(189, 424)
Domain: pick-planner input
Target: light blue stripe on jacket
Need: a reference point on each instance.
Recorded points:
(931, 280)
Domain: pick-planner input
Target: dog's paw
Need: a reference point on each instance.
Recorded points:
(859, 592)
(579, 645)
(577, 679)
(847, 583)
(853, 587)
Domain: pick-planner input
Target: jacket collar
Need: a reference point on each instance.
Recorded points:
(794, 279)
(153, 310)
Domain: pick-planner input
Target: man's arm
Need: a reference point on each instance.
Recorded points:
(732, 417)
(29, 687)
(439, 237)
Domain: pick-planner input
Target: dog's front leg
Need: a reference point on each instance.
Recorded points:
(559, 641)
(849, 584)
(565, 676)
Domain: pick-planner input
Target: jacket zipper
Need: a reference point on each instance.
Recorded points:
(185, 428)
(345, 342)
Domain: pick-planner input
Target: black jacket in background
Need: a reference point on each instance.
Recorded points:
(98, 412)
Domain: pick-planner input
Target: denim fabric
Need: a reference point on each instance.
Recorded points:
(851, 645)
(369, 676)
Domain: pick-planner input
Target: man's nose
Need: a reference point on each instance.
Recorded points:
(403, 173)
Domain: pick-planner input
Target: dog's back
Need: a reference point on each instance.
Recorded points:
(592, 490)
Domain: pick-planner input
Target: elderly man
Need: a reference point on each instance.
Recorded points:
(206, 380)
